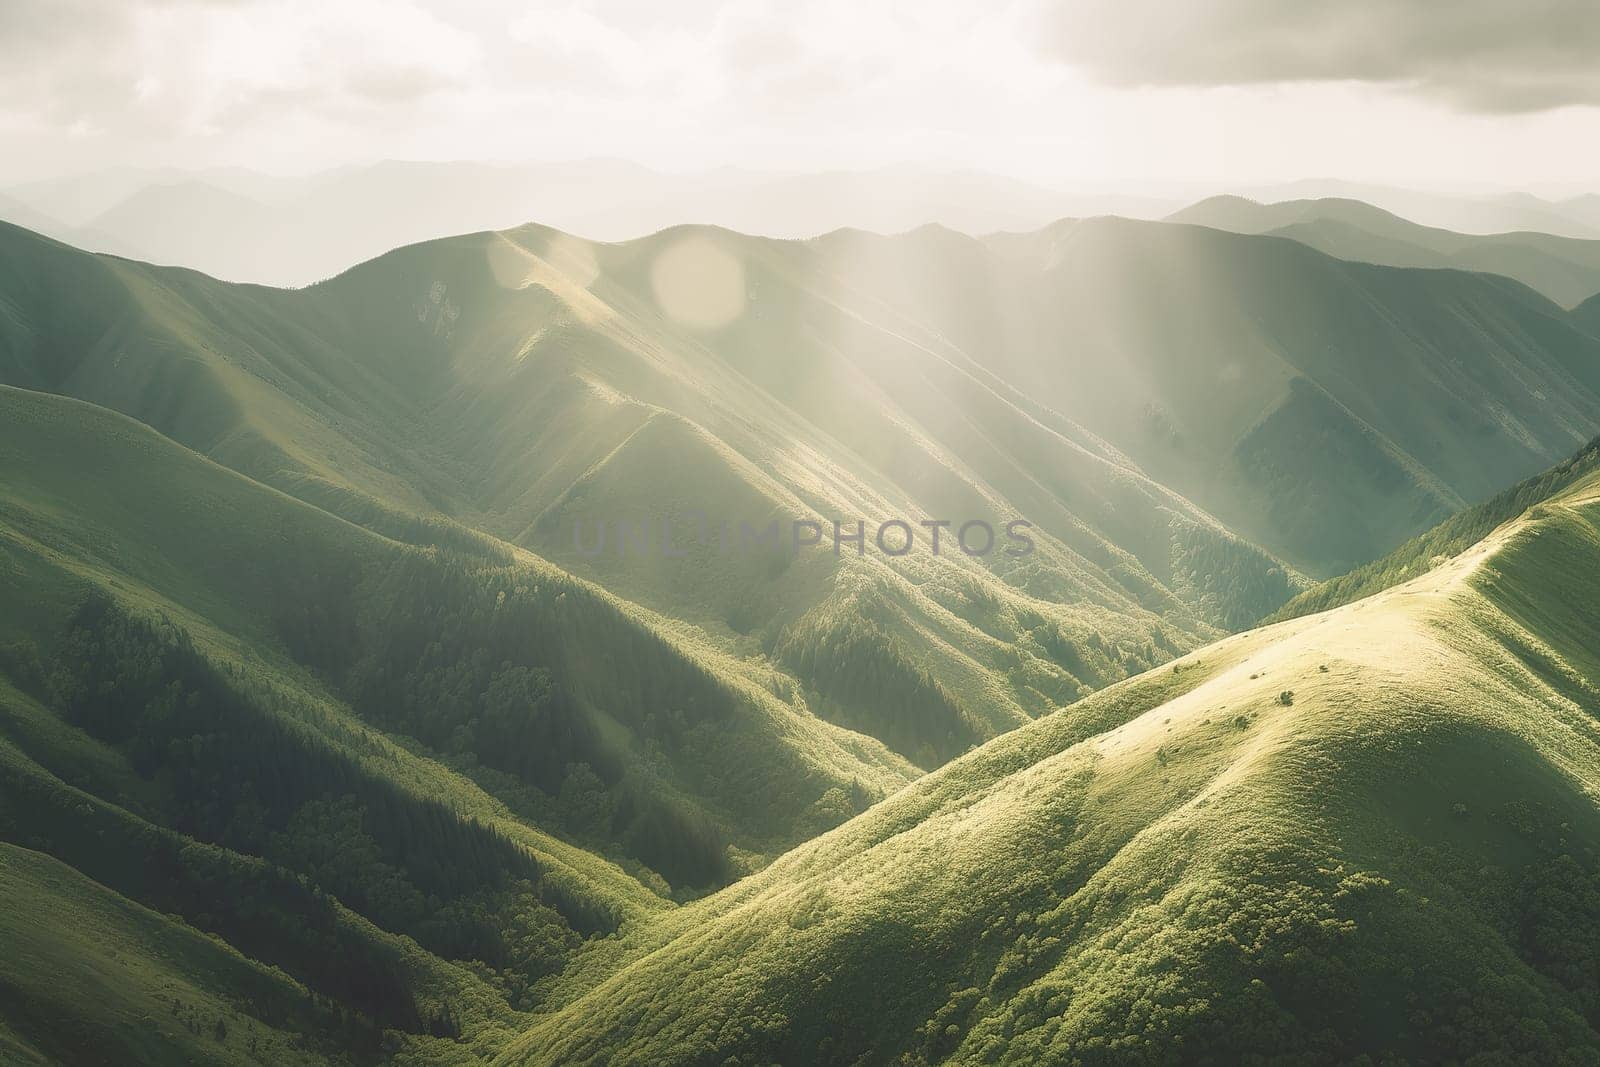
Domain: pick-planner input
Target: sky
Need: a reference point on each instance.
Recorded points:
(1119, 93)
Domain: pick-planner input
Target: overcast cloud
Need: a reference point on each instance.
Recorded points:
(1091, 89)
(1485, 55)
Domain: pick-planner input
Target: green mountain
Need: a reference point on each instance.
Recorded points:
(1473, 213)
(1323, 409)
(1363, 835)
(462, 649)
(224, 705)
(333, 736)
(1565, 269)
(474, 382)
(531, 385)
(296, 230)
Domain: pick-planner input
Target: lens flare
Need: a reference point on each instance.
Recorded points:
(698, 284)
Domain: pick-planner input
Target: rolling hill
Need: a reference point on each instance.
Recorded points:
(303, 645)
(1565, 269)
(531, 386)
(400, 784)
(472, 381)
(89, 975)
(419, 641)
(1367, 833)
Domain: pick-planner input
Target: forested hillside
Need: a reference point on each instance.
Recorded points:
(473, 383)
(354, 759)
(1367, 834)
(315, 698)
(1323, 409)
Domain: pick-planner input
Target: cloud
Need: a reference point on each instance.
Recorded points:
(192, 66)
(1477, 55)
(1033, 86)
(575, 49)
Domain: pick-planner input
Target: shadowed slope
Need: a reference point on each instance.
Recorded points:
(1587, 315)
(1460, 531)
(401, 635)
(389, 771)
(87, 973)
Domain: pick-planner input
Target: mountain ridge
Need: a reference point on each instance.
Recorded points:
(1565, 269)
(1103, 941)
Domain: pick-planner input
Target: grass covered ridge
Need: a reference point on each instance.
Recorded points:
(1369, 832)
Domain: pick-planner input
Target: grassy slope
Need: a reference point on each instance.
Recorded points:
(89, 977)
(1371, 831)
(84, 504)
(608, 410)
(75, 810)
(473, 378)
(1565, 269)
(94, 501)
(524, 382)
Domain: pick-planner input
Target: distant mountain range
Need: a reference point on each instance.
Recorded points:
(1480, 213)
(242, 225)
(1565, 269)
